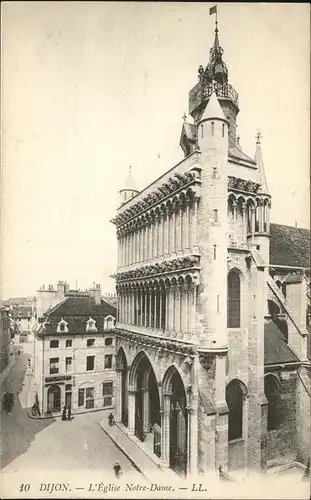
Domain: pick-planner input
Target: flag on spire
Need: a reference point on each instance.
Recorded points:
(213, 10)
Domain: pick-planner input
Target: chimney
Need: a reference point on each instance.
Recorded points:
(61, 290)
(95, 292)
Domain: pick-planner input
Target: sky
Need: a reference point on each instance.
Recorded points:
(89, 88)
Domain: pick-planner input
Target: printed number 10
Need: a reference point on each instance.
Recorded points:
(24, 487)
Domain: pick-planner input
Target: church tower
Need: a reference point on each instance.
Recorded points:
(215, 77)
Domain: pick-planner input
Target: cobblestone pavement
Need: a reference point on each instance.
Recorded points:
(17, 430)
(52, 444)
(79, 444)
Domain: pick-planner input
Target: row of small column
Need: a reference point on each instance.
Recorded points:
(170, 309)
(257, 218)
(166, 232)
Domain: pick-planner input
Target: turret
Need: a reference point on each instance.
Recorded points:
(129, 189)
(263, 205)
(212, 224)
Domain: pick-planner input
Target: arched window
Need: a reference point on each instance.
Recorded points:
(234, 299)
(273, 396)
(234, 398)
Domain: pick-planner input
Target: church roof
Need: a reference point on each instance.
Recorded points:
(276, 349)
(76, 311)
(213, 109)
(262, 180)
(240, 155)
(289, 246)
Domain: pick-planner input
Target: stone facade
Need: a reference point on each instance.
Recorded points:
(193, 285)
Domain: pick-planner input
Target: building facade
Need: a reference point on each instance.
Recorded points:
(74, 362)
(205, 371)
(6, 329)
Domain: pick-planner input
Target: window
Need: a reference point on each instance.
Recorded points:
(68, 365)
(107, 393)
(62, 327)
(215, 215)
(54, 365)
(68, 343)
(273, 396)
(201, 131)
(214, 172)
(68, 387)
(234, 398)
(108, 361)
(54, 343)
(218, 303)
(89, 398)
(90, 342)
(223, 130)
(212, 127)
(233, 306)
(108, 341)
(81, 397)
(90, 362)
(215, 251)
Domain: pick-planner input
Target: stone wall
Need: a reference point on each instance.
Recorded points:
(281, 442)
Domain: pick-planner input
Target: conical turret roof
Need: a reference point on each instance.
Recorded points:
(213, 109)
(129, 184)
(261, 169)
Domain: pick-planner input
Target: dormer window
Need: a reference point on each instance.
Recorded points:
(109, 322)
(91, 325)
(62, 326)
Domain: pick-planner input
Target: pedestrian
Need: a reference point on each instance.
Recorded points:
(117, 469)
(64, 414)
(69, 413)
(111, 419)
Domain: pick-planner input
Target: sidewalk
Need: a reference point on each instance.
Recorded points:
(142, 460)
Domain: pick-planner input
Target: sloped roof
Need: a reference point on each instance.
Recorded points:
(190, 130)
(76, 311)
(289, 246)
(240, 155)
(276, 349)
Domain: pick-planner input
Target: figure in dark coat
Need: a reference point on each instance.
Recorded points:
(111, 419)
(117, 470)
(69, 414)
(64, 414)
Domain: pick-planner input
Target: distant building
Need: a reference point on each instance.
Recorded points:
(5, 336)
(74, 360)
(25, 321)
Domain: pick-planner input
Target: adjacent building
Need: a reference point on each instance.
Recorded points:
(6, 329)
(74, 362)
(211, 334)
(24, 317)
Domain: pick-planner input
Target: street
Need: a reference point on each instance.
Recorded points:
(53, 444)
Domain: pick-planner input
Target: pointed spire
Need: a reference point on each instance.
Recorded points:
(261, 169)
(213, 109)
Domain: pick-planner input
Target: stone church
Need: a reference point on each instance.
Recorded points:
(213, 304)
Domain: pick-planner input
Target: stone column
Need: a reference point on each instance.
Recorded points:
(155, 309)
(118, 400)
(192, 443)
(163, 234)
(131, 412)
(160, 309)
(174, 230)
(145, 315)
(150, 303)
(146, 417)
(186, 227)
(194, 224)
(243, 223)
(253, 209)
(177, 310)
(167, 313)
(268, 217)
(165, 430)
